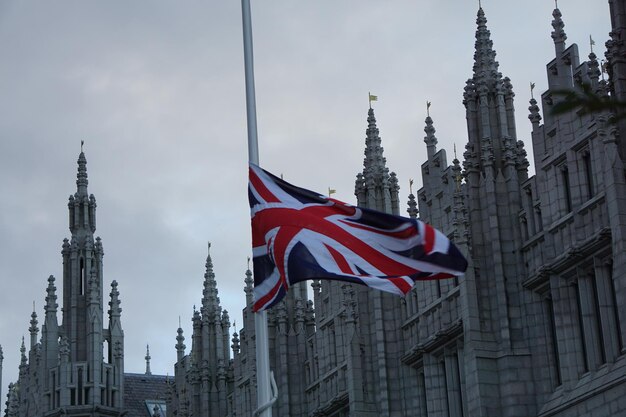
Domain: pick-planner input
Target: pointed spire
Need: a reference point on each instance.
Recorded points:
(51, 298)
(33, 329)
(115, 311)
(534, 115)
(594, 72)
(485, 64)
(412, 210)
(180, 345)
(249, 288)
(558, 34)
(81, 177)
(430, 139)
(210, 300)
(235, 346)
(147, 357)
(23, 359)
(374, 163)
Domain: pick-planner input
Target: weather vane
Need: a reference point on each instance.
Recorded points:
(82, 142)
(532, 87)
(591, 43)
(427, 108)
(410, 185)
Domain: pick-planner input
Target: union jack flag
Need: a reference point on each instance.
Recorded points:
(299, 235)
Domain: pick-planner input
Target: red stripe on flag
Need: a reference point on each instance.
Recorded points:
(261, 189)
(340, 260)
(259, 304)
(401, 283)
(429, 238)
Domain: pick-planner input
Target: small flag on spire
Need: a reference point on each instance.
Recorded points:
(331, 191)
(591, 43)
(532, 87)
(411, 185)
(372, 98)
(427, 108)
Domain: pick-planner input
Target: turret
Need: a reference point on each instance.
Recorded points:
(81, 256)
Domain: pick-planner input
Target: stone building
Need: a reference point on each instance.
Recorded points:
(64, 371)
(536, 326)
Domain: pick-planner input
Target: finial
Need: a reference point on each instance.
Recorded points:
(248, 262)
(372, 98)
(209, 246)
(410, 185)
(532, 87)
(480, 6)
(591, 43)
(179, 323)
(454, 148)
(148, 371)
(556, 4)
(235, 325)
(427, 108)
(82, 142)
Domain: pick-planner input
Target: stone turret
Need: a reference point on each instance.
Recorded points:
(202, 375)
(68, 368)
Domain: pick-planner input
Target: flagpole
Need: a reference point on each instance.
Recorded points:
(264, 399)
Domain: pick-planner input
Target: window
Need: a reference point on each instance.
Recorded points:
(567, 194)
(586, 159)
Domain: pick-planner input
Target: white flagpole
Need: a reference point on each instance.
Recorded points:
(260, 319)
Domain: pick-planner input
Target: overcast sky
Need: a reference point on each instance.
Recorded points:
(156, 90)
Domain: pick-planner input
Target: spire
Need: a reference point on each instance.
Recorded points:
(148, 372)
(81, 177)
(485, 64)
(81, 205)
(210, 300)
(430, 139)
(412, 210)
(33, 329)
(558, 34)
(374, 162)
(594, 72)
(115, 311)
(23, 359)
(375, 188)
(51, 298)
(235, 346)
(180, 346)
(249, 288)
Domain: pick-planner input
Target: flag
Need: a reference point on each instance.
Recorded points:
(300, 235)
(373, 97)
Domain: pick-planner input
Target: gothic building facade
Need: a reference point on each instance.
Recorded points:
(536, 326)
(76, 368)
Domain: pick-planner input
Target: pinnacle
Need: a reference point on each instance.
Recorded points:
(81, 176)
(485, 64)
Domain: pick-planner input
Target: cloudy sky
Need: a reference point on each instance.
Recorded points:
(156, 90)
